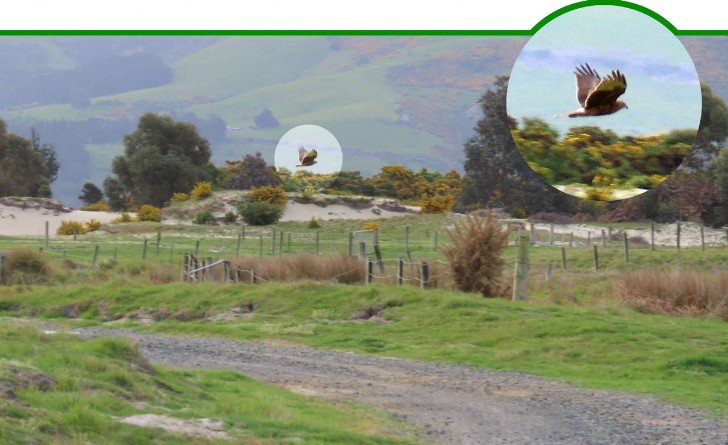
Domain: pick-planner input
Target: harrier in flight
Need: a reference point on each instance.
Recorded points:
(598, 96)
(306, 158)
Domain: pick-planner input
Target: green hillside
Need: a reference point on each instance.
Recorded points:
(387, 99)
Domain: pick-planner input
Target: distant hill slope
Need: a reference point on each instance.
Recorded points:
(388, 99)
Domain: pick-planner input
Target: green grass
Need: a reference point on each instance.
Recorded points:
(594, 342)
(59, 389)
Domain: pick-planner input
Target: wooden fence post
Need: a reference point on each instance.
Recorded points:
(596, 258)
(652, 235)
(436, 232)
(185, 260)
(288, 240)
(626, 246)
(273, 242)
(197, 248)
(370, 271)
(318, 238)
(400, 271)
(159, 241)
(261, 245)
(702, 237)
(548, 272)
(237, 248)
(351, 243)
(96, 255)
(588, 238)
(380, 262)
(533, 234)
(604, 240)
(280, 246)
(678, 235)
(144, 252)
(46, 234)
(362, 251)
(407, 242)
(551, 235)
(609, 235)
(425, 275)
(521, 275)
(376, 236)
(563, 258)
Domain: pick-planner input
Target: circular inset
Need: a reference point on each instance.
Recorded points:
(309, 149)
(605, 102)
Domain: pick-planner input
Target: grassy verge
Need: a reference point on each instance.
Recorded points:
(59, 389)
(588, 342)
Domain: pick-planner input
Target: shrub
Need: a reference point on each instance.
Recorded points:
(260, 213)
(98, 206)
(28, 265)
(180, 197)
(92, 226)
(475, 255)
(202, 190)
(269, 194)
(371, 225)
(204, 217)
(436, 203)
(595, 194)
(125, 218)
(71, 228)
(149, 213)
(314, 224)
(230, 217)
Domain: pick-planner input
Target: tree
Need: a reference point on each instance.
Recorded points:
(22, 169)
(495, 172)
(160, 158)
(250, 172)
(48, 152)
(90, 193)
(265, 119)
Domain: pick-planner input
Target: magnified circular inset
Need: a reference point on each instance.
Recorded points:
(309, 150)
(605, 102)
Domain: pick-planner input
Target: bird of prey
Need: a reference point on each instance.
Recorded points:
(306, 158)
(598, 96)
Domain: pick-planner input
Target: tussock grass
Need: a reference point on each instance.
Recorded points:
(26, 266)
(676, 291)
(475, 255)
(340, 268)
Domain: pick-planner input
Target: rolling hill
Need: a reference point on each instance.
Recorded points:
(387, 99)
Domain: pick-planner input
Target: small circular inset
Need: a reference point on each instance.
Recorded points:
(605, 102)
(309, 149)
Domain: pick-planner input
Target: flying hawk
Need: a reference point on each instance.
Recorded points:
(598, 96)
(306, 158)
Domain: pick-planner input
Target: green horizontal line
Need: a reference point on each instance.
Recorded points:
(339, 32)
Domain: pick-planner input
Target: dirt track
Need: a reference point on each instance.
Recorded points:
(450, 404)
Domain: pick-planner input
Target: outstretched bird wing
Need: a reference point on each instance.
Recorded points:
(608, 90)
(587, 80)
(310, 156)
(301, 154)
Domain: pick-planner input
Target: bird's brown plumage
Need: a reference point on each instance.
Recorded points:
(306, 158)
(598, 96)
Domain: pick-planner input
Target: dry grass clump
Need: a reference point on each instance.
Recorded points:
(342, 268)
(27, 266)
(475, 255)
(162, 273)
(677, 291)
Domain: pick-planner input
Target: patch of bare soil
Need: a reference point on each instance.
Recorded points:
(203, 427)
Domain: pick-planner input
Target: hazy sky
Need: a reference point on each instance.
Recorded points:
(663, 91)
(310, 137)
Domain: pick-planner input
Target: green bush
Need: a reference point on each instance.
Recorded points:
(204, 217)
(260, 213)
(230, 217)
(314, 224)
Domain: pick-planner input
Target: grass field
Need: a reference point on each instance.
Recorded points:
(59, 389)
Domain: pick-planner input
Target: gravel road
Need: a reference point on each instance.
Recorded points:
(450, 404)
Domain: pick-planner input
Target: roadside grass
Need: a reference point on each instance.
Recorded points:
(60, 389)
(592, 341)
